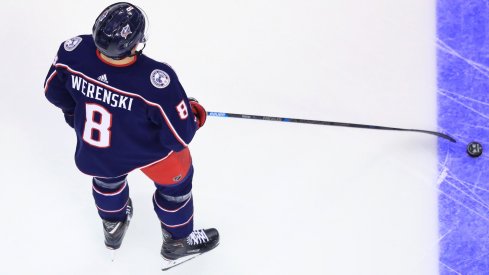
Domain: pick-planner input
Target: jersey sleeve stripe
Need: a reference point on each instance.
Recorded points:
(49, 81)
(167, 120)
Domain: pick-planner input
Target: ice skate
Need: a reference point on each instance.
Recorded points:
(114, 231)
(175, 252)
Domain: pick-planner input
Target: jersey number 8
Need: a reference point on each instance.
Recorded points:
(97, 131)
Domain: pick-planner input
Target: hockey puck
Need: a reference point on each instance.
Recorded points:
(474, 149)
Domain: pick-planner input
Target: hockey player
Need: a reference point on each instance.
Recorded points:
(130, 112)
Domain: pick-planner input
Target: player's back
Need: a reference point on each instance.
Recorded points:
(125, 117)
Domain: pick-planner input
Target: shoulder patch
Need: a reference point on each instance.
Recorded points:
(55, 60)
(72, 43)
(160, 79)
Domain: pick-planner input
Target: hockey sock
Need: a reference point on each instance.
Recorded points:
(174, 206)
(111, 197)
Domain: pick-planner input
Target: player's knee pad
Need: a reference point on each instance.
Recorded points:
(111, 197)
(174, 206)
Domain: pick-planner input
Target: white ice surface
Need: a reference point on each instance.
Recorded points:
(287, 199)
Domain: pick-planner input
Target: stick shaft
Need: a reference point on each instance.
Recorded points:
(328, 123)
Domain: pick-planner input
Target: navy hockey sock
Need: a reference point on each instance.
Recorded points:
(174, 206)
(111, 197)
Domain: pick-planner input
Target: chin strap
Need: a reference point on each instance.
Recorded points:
(140, 52)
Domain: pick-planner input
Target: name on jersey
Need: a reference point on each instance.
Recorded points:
(99, 93)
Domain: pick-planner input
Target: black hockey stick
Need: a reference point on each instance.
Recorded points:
(330, 123)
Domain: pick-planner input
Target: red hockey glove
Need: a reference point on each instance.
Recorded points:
(198, 111)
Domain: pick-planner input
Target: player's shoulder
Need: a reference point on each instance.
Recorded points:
(161, 75)
(153, 65)
(159, 81)
(75, 47)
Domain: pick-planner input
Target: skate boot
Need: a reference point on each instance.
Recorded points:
(114, 231)
(175, 252)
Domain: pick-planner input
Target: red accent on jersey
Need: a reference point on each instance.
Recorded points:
(170, 170)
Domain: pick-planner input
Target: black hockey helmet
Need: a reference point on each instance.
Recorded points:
(118, 29)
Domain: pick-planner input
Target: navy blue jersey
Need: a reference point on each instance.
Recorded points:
(124, 117)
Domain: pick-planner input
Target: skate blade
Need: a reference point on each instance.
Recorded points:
(167, 263)
(112, 253)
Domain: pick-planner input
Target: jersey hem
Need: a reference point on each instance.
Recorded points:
(125, 174)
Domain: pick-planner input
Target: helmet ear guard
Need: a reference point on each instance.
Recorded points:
(119, 29)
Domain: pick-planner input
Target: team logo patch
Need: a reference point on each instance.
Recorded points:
(55, 60)
(126, 31)
(72, 43)
(160, 79)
